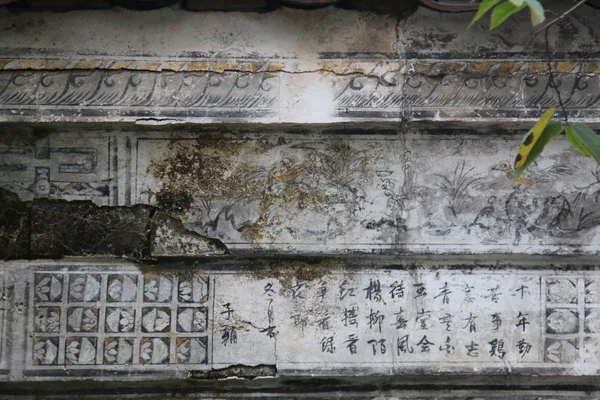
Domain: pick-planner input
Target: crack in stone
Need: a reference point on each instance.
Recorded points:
(239, 371)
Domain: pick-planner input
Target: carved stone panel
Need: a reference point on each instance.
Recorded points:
(87, 319)
(418, 191)
(72, 167)
(110, 319)
(77, 94)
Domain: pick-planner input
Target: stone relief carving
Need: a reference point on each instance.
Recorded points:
(61, 167)
(117, 316)
(138, 93)
(383, 320)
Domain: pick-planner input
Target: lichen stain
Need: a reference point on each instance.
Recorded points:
(209, 180)
(12, 136)
(207, 169)
(301, 271)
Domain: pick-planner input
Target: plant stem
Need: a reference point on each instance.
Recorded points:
(551, 81)
(561, 16)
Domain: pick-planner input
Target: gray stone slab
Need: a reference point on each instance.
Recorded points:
(98, 320)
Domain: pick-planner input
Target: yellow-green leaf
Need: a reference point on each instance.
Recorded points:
(484, 7)
(590, 140)
(551, 130)
(502, 12)
(576, 142)
(517, 3)
(536, 10)
(531, 137)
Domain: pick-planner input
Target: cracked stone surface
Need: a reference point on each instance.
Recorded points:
(176, 138)
(81, 228)
(58, 228)
(171, 239)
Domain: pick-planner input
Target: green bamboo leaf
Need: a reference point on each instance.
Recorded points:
(536, 10)
(531, 138)
(484, 7)
(589, 138)
(502, 12)
(551, 131)
(576, 141)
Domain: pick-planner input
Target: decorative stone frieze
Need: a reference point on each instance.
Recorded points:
(420, 191)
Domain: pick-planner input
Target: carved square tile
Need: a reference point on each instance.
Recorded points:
(562, 320)
(192, 319)
(46, 320)
(45, 350)
(561, 350)
(154, 350)
(122, 288)
(592, 291)
(561, 291)
(82, 319)
(592, 320)
(192, 350)
(120, 319)
(156, 319)
(48, 287)
(118, 351)
(591, 350)
(84, 287)
(158, 289)
(80, 350)
(193, 289)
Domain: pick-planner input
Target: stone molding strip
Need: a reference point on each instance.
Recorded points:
(324, 91)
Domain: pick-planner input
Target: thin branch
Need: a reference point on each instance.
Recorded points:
(551, 81)
(561, 16)
(558, 18)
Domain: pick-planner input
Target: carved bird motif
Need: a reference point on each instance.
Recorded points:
(549, 174)
(527, 213)
(504, 167)
(485, 218)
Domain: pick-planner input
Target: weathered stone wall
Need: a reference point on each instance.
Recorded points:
(284, 188)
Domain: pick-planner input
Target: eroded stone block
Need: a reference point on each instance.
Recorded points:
(169, 238)
(14, 227)
(80, 228)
